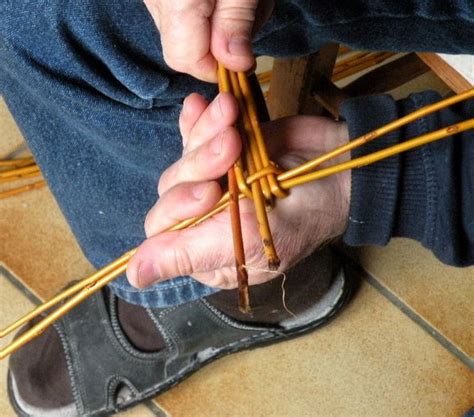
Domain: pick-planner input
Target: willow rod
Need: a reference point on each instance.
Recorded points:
(20, 177)
(251, 142)
(390, 127)
(254, 164)
(237, 239)
(23, 189)
(16, 162)
(19, 171)
(111, 271)
(344, 69)
(260, 141)
(379, 155)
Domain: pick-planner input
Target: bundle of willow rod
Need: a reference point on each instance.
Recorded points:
(286, 180)
(255, 159)
(18, 169)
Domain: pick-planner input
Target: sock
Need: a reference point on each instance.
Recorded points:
(138, 327)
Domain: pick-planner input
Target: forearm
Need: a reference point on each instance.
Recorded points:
(426, 194)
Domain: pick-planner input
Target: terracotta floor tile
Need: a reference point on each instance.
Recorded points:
(37, 244)
(139, 411)
(442, 295)
(13, 303)
(371, 361)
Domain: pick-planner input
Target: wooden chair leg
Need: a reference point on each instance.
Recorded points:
(329, 96)
(293, 80)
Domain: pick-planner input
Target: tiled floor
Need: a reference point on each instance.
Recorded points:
(423, 283)
(357, 366)
(403, 347)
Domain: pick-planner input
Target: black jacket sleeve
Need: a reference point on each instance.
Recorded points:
(426, 194)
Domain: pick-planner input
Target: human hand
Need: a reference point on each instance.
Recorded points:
(311, 215)
(196, 33)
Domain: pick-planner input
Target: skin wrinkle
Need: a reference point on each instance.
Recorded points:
(186, 208)
(178, 8)
(201, 129)
(233, 16)
(198, 164)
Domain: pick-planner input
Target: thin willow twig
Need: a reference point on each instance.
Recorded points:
(390, 127)
(19, 171)
(23, 189)
(16, 162)
(379, 155)
(345, 69)
(120, 265)
(20, 177)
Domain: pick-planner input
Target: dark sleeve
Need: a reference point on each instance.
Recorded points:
(426, 194)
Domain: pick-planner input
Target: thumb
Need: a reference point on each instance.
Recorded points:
(231, 33)
(201, 248)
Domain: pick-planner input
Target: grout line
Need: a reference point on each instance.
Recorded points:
(153, 407)
(439, 337)
(411, 314)
(19, 285)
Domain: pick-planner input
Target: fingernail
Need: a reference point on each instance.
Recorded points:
(146, 274)
(216, 109)
(216, 145)
(239, 47)
(199, 190)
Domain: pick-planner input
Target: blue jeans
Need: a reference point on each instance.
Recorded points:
(88, 87)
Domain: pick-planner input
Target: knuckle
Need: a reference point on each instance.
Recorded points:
(193, 161)
(148, 225)
(182, 262)
(224, 279)
(170, 177)
(163, 183)
(172, 60)
(185, 169)
(200, 7)
(238, 12)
